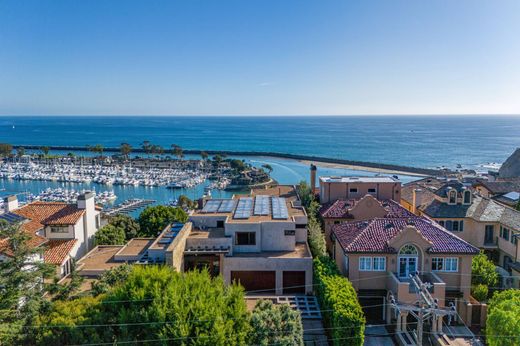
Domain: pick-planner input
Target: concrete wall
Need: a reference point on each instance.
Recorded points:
(207, 220)
(331, 191)
(174, 254)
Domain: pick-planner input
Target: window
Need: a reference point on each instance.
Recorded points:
(467, 197)
(448, 264)
(353, 190)
(365, 264)
(245, 238)
(379, 264)
(408, 250)
(59, 229)
(437, 264)
(452, 264)
(336, 222)
(452, 197)
(301, 225)
(371, 190)
(441, 223)
(449, 225)
(455, 226)
(505, 233)
(220, 224)
(514, 238)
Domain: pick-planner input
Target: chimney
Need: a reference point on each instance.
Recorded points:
(86, 201)
(415, 200)
(313, 177)
(10, 203)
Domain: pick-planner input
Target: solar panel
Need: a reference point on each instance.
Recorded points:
(279, 208)
(211, 206)
(261, 205)
(243, 210)
(11, 217)
(227, 206)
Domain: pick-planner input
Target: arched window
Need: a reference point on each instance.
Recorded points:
(467, 197)
(408, 249)
(452, 197)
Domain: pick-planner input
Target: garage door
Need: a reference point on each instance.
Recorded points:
(261, 282)
(293, 282)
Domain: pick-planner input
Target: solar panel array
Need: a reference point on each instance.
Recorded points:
(243, 210)
(211, 206)
(227, 206)
(11, 217)
(261, 205)
(279, 208)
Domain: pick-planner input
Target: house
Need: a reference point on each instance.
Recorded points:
(380, 255)
(352, 188)
(366, 208)
(259, 240)
(63, 231)
(481, 221)
(506, 192)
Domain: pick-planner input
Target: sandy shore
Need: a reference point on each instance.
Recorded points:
(359, 168)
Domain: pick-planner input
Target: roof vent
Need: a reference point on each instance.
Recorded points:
(389, 225)
(410, 222)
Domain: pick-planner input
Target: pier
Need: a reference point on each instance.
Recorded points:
(129, 206)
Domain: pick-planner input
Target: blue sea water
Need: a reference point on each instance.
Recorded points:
(425, 141)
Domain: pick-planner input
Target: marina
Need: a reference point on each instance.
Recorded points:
(129, 206)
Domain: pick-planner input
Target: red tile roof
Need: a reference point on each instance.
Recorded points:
(373, 236)
(58, 250)
(51, 213)
(340, 209)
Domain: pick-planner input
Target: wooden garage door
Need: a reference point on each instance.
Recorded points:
(293, 282)
(261, 282)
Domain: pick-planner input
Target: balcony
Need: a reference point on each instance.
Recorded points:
(406, 292)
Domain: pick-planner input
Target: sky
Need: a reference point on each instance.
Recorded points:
(261, 57)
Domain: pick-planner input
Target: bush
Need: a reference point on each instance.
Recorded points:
(316, 239)
(480, 292)
(483, 271)
(110, 235)
(127, 224)
(111, 278)
(275, 325)
(342, 313)
(503, 320)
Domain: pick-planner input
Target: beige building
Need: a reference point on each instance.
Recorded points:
(64, 231)
(481, 221)
(259, 240)
(353, 188)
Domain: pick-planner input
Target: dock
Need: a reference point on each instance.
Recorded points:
(129, 206)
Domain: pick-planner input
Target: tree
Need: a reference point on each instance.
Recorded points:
(22, 276)
(128, 224)
(518, 205)
(177, 151)
(125, 149)
(268, 167)
(153, 219)
(186, 203)
(45, 150)
(110, 235)
(111, 278)
(190, 308)
(503, 322)
(5, 149)
(71, 155)
(275, 325)
(98, 148)
(20, 151)
(204, 155)
(305, 193)
(483, 271)
(237, 165)
(146, 146)
(66, 290)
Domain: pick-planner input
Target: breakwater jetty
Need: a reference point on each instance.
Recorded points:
(299, 157)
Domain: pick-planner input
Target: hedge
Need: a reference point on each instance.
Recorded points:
(342, 313)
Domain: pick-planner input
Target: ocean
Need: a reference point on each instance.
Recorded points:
(422, 141)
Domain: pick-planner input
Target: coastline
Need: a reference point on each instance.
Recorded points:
(325, 161)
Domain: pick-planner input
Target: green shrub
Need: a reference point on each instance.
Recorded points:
(479, 292)
(316, 239)
(342, 313)
(153, 219)
(483, 271)
(110, 279)
(110, 235)
(503, 320)
(275, 325)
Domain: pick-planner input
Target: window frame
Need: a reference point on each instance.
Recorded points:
(353, 190)
(364, 260)
(381, 260)
(437, 261)
(59, 229)
(451, 260)
(248, 234)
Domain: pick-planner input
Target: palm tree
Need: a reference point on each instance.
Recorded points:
(45, 150)
(146, 146)
(268, 167)
(20, 151)
(125, 149)
(177, 151)
(204, 155)
(98, 148)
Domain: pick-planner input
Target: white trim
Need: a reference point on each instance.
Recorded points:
(365, 260)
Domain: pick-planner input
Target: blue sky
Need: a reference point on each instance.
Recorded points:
(260, 57)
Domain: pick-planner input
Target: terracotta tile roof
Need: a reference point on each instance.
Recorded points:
(58, 250)
(30, 227)
(373, 236)
(51, 213)
(340, 209)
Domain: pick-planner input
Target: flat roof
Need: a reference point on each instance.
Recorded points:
(100, 258)
(136, 247)
(346, 179)
(205, 234)
(301, 250)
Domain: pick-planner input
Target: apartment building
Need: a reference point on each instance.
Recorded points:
(481, 221)
(353, 188)
(63, 231)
